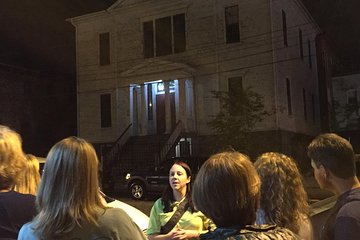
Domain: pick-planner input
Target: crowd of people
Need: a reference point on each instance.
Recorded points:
(231, 197)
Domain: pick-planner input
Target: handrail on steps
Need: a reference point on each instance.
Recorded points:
(117, 145)
(169, 143)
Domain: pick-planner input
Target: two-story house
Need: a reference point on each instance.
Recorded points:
(147, 68)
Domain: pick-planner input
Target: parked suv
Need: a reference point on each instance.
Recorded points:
(141, 183)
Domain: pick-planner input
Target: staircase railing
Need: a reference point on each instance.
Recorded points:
(117, 146)
(169, 143)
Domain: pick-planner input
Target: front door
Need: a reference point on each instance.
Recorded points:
(160, 112)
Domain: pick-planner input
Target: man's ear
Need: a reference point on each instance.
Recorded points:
(325, 173)
(322, 170)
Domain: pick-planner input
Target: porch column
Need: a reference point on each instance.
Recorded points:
(182, 114)
(123, 105)
(167, 107)
(144, 121)
(190, 107)
(135, 119)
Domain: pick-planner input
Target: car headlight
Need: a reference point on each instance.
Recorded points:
(127, 177)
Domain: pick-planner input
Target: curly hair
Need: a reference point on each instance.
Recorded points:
(12, 158)
(281, 189)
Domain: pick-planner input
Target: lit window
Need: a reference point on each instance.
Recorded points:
(150, 102)
(161, 87)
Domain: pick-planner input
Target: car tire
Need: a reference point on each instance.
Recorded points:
(137, 190)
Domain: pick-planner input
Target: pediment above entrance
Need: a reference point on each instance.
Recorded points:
(158, 67)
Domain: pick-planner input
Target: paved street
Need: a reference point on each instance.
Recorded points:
(312, 188)
(143, 205)
(315, 196)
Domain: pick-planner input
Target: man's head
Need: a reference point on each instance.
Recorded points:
(330, 152)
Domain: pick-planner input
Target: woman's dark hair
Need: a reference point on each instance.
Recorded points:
(226, 190)
(168, 196)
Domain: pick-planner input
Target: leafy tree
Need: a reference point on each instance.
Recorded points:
(238, 115)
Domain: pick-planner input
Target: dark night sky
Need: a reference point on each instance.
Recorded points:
(340, 19)
(34, 33)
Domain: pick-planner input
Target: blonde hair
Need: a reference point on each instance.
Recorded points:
(226, 189)
(12, 159)
(29, 177)
(68, 194)
(283, 197)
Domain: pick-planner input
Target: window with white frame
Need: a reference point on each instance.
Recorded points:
(164, 36)
(352, 100)
(313, 108)
(104, 49)
(284, 28)
(288, 97)
(235, 86)
(301, 50)
(105, 110)
(351, 96)
(232, 28)
(304, 103)
(310, 57)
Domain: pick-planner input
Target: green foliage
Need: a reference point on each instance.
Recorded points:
(238, 115)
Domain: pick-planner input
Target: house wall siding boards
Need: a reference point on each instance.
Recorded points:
(288, 64)
(259, 58)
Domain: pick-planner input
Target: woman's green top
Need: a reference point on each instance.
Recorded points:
(189, 221)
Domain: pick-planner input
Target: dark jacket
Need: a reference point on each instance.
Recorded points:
(16, 209)
(344, 218)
